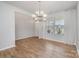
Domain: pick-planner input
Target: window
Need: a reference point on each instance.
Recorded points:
(56, 26)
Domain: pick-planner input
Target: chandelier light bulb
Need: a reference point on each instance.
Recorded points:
(44, 15)
(37, 12)
(36, 18)
(33, 15)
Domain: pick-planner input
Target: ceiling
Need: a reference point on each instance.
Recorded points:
(47, 6)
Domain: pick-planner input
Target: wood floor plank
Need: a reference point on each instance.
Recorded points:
(39, 48)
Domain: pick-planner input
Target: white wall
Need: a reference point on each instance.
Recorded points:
(77, 41)
(70, 27)
(7, 25)
(24, 26)
(69, 17)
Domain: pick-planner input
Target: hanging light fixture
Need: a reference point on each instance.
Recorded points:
(39, 15)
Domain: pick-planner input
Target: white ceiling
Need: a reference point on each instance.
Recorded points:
(47, 6)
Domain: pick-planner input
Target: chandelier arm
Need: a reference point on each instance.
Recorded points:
(39, 7)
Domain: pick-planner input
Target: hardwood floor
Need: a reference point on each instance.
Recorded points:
(39, 48)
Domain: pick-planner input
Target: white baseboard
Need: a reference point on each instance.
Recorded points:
(54, 40)
(57, 40)
(23, 37)
(7, 47)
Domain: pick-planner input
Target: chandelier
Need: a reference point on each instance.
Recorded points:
(39, 14)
